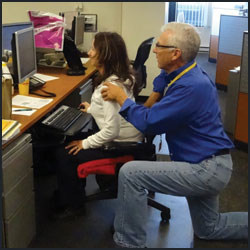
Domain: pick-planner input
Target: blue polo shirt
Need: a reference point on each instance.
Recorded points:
(188, 113)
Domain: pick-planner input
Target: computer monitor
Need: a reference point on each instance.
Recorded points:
(23, 54)
(78, 29)
(72, 39)
(73, 57)
(8, 30)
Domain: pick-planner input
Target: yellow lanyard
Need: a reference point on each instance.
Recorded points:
(180, 75)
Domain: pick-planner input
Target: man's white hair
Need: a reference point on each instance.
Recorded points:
(185, 37)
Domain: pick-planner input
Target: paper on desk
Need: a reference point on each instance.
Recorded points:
(27, 112)
(45, 78)
(84, 60)
(30, 102)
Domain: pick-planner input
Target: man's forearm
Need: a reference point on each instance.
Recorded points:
(152, 99)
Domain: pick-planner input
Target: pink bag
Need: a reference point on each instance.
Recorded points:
(49, 29)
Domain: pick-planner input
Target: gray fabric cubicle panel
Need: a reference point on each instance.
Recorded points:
(244, 65)
(231, 34)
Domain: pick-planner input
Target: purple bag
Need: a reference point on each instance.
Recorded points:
(49, 29)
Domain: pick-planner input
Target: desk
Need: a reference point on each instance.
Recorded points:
(18, 201)
(62, 87)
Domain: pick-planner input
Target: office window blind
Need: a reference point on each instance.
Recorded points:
(194, 13)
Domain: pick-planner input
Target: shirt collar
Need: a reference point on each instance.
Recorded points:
(173, 74)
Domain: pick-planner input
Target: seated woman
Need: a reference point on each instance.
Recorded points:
(109, 55)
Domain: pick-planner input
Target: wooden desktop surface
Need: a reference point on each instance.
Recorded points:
(62, 87)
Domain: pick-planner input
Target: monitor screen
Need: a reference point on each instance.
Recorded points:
(79, 30)
(23, 54)
(8, 30)
(72, 56)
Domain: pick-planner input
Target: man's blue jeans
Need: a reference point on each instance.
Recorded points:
(199, 183)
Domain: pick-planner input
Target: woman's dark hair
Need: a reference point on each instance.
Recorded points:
(113, 57)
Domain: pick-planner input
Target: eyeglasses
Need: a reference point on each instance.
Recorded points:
(157, 45)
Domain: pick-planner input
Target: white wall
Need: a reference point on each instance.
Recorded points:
(140, 21)
(108, 18)
(17, 11)
(204, 33)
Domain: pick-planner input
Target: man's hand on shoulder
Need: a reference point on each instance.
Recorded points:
(112, 92)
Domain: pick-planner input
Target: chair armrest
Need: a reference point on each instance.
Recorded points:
(141, 151)
(118, 146)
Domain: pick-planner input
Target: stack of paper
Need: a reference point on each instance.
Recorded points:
(10, 128)
(30, 102)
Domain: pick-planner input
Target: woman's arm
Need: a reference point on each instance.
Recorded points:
(109, 127)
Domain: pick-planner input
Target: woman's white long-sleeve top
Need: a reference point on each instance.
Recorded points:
(106, 114)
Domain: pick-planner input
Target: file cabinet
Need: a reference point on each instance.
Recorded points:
(18, 204)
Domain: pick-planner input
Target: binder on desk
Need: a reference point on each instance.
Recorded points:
(10, 128)
(7, 125)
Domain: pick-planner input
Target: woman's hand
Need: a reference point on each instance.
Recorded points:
(84, 106)
(113, 93)
(75, 146)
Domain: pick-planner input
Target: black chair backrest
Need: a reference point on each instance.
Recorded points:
(140, 59)
(143, 53)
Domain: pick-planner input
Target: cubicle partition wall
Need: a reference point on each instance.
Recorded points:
(236, 116)
(213, 48)
(82, 94)
(244, 65)
(241, 129)
(229, 46)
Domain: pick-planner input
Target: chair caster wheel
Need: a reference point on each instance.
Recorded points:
(165, 216)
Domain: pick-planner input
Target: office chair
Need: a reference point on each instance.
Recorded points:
(123, 152)
(140, 59)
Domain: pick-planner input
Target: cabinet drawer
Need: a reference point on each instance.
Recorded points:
(21, 228)
(3, 244)
(16, 166)
(16, 196)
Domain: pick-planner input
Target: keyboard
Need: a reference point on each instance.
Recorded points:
(63, 118)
